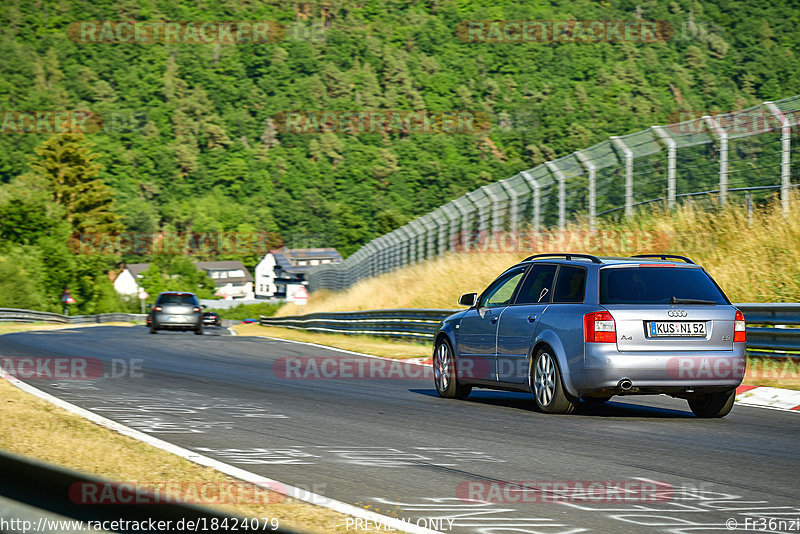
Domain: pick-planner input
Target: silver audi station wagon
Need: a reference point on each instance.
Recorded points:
(573, 328)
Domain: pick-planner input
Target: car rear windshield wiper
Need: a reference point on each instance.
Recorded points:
(675, 300)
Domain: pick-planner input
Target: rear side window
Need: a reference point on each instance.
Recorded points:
(178, 299)
(656, 285)
(570, 284)
(538, 285)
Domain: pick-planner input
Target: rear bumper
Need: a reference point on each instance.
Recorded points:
(658, 372)
(176, 322)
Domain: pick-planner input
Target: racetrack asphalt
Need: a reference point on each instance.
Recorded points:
(391, 444)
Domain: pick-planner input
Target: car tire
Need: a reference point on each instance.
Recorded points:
(444, 373)
(153, 329)
(710, 405)
(546, 386)
(199, 330)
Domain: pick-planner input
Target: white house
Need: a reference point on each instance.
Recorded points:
(127, 282)
(281, 271)
(231, 278)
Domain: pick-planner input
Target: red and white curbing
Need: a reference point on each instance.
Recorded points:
(766, 397)
(761, 396)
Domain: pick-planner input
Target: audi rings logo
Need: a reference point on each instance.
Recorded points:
(677, 313)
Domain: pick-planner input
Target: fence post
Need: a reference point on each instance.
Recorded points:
(440, 222)
(446, 236)
(671, 159)
(562, 194)
(466, 231)
(628, 153)
(786, 154)
(513, 205)
(723, 156)
(404, 241)
(537, 199)
(391, 251)
(495, 225)
(428, 241)
(592, 169)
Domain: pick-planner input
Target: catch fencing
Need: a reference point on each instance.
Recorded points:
(772, 329)
(710, 156)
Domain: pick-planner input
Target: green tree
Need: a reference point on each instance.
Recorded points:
(66, 164)
(176, 273)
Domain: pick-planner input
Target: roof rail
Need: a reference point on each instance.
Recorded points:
(665, 257)
(569, 257)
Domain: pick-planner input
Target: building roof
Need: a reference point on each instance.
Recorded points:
(287, 258)
(137, 268)
(311, 253)
(230, 265)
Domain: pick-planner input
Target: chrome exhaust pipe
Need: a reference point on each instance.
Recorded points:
(625, 384)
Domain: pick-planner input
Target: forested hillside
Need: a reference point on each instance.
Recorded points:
(189, 142)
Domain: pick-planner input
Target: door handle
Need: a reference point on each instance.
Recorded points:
(532, 318)
(493, 319)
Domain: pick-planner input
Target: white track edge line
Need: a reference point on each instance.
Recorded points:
(247, 476)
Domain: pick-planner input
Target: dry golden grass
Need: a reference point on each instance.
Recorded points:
(376, 346)
(752, 263)
(773, 372)
(31, 427)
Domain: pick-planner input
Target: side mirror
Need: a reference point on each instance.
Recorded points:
(468, 299)
(149, 306)
(203, 306)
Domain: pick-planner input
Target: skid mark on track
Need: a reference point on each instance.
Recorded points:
(379, 457)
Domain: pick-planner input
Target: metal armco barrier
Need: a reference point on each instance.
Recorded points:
(769, 326)
(31, 316)
(45, 494)
(410, 323)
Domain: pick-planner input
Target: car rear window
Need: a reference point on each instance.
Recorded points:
(656, 285)
(177, 299)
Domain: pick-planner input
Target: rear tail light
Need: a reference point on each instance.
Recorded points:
(739, 329)
(196, 309)
(599, 327)
(156, 308)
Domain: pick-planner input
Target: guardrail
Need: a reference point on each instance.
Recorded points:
(40, 494)
(409, 323)
(769, 331)
(32, 316)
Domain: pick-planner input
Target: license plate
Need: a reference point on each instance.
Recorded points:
(176, 318)
(677, 329)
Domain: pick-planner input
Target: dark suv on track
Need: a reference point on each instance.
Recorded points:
(573, 326)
